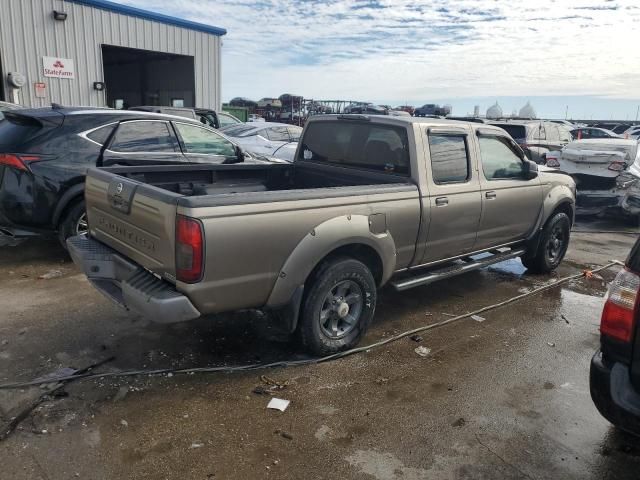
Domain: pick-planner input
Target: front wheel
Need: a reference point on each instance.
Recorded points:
(554, 241)
(338, 306)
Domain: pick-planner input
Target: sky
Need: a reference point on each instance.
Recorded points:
(567, 57)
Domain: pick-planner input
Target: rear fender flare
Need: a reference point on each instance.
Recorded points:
(320, 242)
(76, 192)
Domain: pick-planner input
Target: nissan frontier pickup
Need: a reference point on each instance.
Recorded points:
(368, 201)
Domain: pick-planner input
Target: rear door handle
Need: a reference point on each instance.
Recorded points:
(490, 195)
(442, 201)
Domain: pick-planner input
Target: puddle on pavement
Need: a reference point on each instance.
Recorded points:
(511, 267)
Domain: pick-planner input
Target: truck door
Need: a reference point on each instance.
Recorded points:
(511, 203)
(454, 194)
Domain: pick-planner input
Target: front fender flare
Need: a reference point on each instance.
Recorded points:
(320, 242)
(555, 197)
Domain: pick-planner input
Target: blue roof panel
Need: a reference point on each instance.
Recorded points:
(156, 17)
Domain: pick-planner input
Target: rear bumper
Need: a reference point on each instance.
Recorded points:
(614, 396)
(129, 285)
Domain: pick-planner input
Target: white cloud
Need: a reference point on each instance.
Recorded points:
(414, 51)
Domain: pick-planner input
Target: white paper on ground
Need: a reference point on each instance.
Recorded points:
(278, 404)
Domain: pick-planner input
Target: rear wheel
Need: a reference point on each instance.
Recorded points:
(73, 223)
(338, 306)
(554, 241)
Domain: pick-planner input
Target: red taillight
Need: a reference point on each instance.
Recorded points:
(189, 250)
(20, 162)
(618, 316)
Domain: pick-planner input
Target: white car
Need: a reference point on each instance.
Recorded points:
(632, 132)
(278, 140)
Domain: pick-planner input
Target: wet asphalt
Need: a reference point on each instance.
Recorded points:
(503, 398)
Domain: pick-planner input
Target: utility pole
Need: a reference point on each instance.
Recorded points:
(566, 113)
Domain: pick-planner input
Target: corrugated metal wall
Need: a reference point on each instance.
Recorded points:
(28, 32)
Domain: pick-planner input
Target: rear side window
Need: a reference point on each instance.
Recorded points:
(15, 130)
(382, 148)
(538, 132)
(449, 158)
(144, 137)
(101, 135)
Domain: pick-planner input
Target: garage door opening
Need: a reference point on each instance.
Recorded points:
(143, 77)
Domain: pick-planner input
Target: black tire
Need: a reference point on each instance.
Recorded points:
(73, 222)
(317, 319)
(553, 244)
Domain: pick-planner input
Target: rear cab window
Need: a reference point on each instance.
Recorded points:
(365, 145)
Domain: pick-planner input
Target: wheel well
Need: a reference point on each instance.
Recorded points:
(68, 206)
(564, 207)
(359, 251)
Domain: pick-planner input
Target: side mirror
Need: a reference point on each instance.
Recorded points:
(239, 153)
(529, 169)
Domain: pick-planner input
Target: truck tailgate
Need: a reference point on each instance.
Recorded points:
(135, 219)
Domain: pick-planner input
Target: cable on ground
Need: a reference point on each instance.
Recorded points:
(310, 361)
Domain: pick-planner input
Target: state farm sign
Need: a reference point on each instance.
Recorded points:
(58, 67)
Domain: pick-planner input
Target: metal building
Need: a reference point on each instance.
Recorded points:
(100, 53)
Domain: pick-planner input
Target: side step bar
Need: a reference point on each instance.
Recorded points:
(465, 265)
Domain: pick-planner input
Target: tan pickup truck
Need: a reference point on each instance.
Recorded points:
(369, 201)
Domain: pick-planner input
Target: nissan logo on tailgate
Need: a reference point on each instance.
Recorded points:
(119, 188)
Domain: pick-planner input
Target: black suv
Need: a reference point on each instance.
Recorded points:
(45, 153)
(615, 368)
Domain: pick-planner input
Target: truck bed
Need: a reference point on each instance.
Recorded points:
(133, 209)
(207, 180)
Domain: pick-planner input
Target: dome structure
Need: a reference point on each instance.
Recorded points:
(494, 111)
(527, 111)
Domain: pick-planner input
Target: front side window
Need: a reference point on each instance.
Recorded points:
(382, 148)
(449, 158)
(144, 137)
(200, 140)
(499, 160)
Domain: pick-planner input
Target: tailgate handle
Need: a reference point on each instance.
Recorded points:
(120, 194)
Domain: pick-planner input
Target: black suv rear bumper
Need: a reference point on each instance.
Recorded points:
(614, 395)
